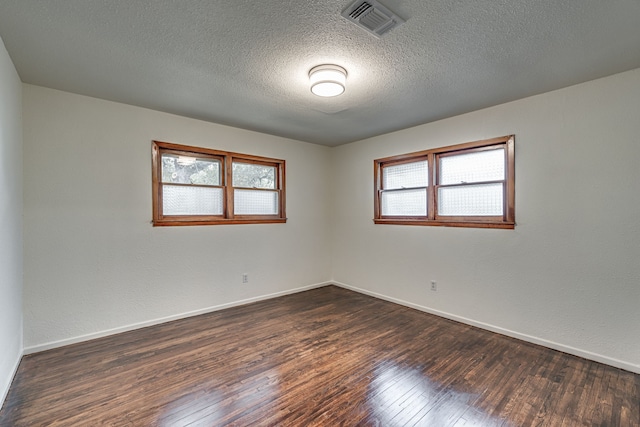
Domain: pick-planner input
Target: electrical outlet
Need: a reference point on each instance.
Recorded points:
(245, 277)
(434, 285)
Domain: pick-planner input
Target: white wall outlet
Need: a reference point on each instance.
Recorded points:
(245, 277)
(434, 285)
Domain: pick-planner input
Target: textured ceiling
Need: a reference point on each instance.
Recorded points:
(246, 63)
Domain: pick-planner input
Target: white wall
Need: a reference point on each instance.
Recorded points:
(10, 221)
(93, 262)
(568, 276)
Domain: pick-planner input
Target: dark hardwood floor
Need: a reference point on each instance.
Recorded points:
(325, 357)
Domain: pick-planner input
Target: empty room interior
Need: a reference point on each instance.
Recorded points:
(322, 213)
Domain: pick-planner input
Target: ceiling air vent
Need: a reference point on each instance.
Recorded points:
(372, 16)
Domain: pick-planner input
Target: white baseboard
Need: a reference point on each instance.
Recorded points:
(524, 337)
(87, 337)
(528, 338)
(5, 391)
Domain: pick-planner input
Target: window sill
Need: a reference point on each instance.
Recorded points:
(180, 223)
(438, 223)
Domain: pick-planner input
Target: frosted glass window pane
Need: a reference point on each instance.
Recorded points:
(404, 203)
(250, 175)
(180, 200)
(253, 202)
(472, 200)
(406, 175)
(472, 167)
(190, 170)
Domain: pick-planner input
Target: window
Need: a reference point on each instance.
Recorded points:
(466, 185)
(199, 186)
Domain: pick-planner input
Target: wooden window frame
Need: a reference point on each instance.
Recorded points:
(226, 159)
(505, 221)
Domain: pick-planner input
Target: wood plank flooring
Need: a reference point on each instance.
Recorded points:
(325, 357)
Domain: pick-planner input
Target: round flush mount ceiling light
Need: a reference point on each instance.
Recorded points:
(327, 80)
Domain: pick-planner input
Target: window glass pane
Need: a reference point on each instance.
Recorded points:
(472, 200)
(406, 175)
(190, 170)
(181, 200)
(472, 167)
(404, 202)
(250, 175)
(255, 202)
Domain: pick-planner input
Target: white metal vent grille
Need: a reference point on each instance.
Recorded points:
(372, 16)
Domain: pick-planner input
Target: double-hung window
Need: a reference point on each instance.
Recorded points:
(465, 185)
(200, 186)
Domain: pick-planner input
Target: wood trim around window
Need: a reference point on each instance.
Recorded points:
(226, 161)
(505, 221)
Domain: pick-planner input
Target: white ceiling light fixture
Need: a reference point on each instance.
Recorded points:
(328, 80)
